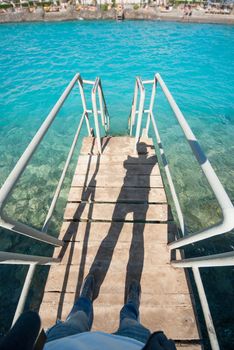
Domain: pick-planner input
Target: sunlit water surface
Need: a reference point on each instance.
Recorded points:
(36, 63)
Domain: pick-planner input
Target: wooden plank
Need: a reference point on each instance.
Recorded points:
(117, 168)
(177, 320)
(118, 187)
(97, 231)
(117, 181)
(103, 194)
(188, 346)
(119, 212)
(102, 159)
(116, 299)
(159, 280)
(117, 145)
(154, 254)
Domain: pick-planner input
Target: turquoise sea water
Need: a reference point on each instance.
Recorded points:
(36, 63)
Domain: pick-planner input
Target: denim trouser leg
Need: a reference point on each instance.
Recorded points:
(79, 320)
(129, 324)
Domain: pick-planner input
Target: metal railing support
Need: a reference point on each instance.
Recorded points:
(23, 259)
(223, 259)
(10, 258)
(209, 172)
(225, 226)
(140, 112)
(133, 110)
(28, 231)
(31, 271)
(140, 85)
(224, 201)
(24, 293)
(8, 223)
(213, 180)
(152, 99)
(28, 153)
(80, 85)
(106, 113)
(168, 175)
(101, 105)
(15, 174)
(215, 260)
(61, 180)
(206, 310)
(95, 113)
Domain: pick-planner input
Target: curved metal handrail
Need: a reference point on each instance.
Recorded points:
(97, 88)
(15, 174)
(11, 181)
(139, 87)
(221, 195)
(227, 224)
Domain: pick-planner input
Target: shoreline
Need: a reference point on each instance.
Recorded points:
(141, 14)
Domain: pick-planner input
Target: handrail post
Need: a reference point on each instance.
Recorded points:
(81, 88)
(206, 310)
(24, 293)
(168, 175)
(133, 110)
(95, 113)
(140, 112)
(61, 180)
(101, 105)
(105, 112)
(152, 99)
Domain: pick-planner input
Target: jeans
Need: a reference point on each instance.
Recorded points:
(130, 326)
(79, 320)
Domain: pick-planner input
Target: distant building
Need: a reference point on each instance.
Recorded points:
(109, 2)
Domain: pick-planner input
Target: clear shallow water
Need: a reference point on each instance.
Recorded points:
(38, 60)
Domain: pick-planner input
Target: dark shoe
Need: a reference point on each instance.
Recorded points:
(87, 288)
(134, 293)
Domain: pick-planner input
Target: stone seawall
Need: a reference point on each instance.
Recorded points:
(141, 14)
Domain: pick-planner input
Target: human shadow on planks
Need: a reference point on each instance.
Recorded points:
(123, 207)
(70, 237)
(103, 258)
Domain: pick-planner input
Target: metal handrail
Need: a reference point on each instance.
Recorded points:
(133, 109)
(139, 87)
(103, 107)
(224, 259)
(15, 174)
(215, 260)
(23, 259)
(61, 180)
(103, 110)
(7, 188)
(224, 201)
(95, 113)
(221, 195)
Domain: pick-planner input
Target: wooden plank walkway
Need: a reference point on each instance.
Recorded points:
(117, 225)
